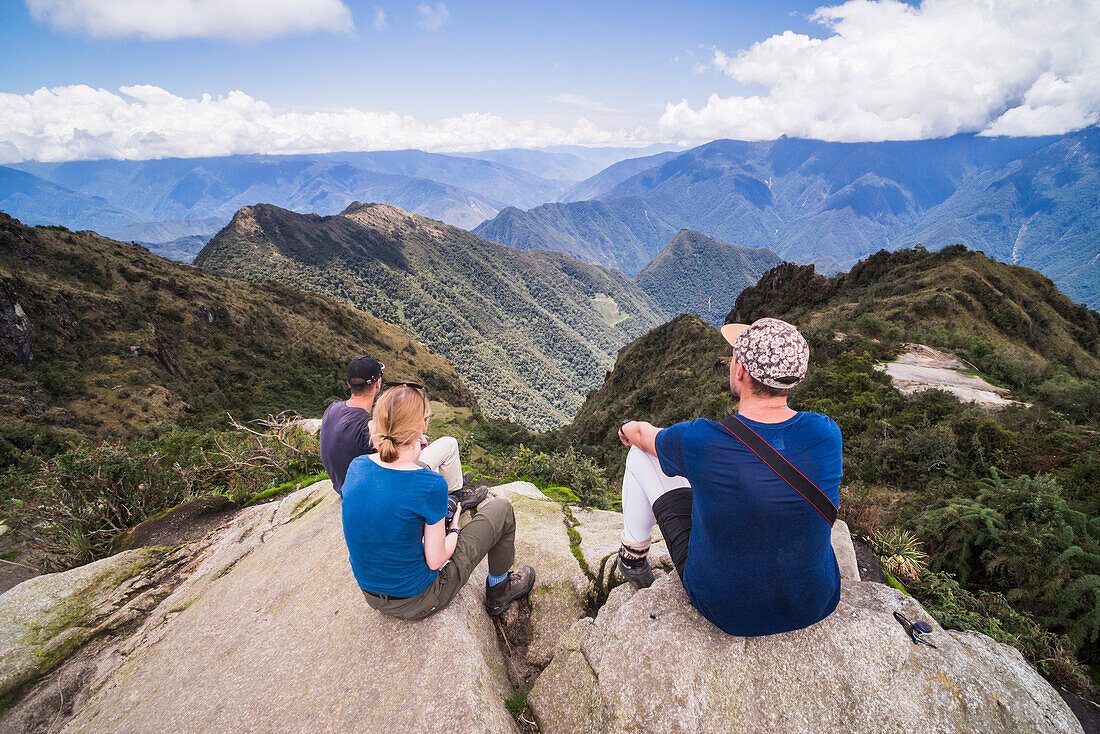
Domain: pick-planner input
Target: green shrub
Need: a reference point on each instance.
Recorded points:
(79, 500)
(956, 608)
(569, 470)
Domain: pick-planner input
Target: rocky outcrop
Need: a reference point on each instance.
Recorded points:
(649, 663)
(15, 329)
(259, 626)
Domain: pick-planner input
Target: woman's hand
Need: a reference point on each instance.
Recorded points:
(424, 441)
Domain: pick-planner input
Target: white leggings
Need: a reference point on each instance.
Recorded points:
(441, 455)
(643, 483)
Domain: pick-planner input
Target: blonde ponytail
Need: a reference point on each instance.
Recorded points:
(398, 420)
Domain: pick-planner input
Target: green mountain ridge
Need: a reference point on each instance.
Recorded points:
(529, 331)
(698, 274)
(123, 344)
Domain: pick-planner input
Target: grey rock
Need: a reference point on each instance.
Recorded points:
(15, 329)
(46, 617)
(845, 551)
(281, 639)
(561, 586)
(650, 662)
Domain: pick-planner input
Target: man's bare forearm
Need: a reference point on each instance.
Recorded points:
(641, 434)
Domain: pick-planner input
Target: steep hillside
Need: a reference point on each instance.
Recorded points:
(1016, 309)
(104, 340)
(701, 275)
(529, 331)
(1040, 211)
(622, 234)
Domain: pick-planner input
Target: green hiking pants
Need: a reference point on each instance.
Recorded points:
(492, 532)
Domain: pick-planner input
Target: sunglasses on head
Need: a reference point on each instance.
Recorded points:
(414, 385)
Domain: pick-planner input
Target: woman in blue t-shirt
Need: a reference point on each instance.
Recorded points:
(406, 560)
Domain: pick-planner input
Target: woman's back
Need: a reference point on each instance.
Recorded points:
(384, 513)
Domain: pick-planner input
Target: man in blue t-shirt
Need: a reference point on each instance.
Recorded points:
(755, 556)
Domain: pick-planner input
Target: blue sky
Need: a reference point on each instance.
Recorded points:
(530, 74)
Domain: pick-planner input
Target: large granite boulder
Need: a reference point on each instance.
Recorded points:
(649, 662)
(260, 628)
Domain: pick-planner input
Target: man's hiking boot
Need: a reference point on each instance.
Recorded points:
(518, 583)
(471, 497)
(467, 477)
(635, 570)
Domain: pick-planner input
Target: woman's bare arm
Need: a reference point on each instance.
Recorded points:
(439, 545)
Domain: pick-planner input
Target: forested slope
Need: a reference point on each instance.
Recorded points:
(530, 331)
(702, 275)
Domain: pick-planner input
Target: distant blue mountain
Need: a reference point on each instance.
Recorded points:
(597, 186)
(1028, 200)
(34, 200)
(570, 163)
(160, 200)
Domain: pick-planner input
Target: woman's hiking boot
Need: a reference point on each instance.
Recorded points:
(635, 570)
(471, 497)
(518, 583)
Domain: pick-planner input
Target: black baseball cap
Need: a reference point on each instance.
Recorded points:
(364, 370)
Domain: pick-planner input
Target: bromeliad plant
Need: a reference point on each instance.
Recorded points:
(900, 553)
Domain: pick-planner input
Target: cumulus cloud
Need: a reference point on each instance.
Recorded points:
(240, 20)
(432, 19)
(890, 71)
(79, 122)
(379, 19)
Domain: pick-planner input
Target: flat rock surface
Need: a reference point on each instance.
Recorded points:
(922, 368)
(650, 663)
(282, 640)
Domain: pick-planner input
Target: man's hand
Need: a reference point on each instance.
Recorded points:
(639, 433)
(424, 440)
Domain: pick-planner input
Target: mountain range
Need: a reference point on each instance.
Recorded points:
(1029, 201)
(529, 331)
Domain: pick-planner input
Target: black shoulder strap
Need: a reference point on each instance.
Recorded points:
(786, 471)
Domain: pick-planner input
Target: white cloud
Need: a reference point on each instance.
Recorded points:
(432, 19)
(79, 122)
(239, 20)
(379, 19)
(889, 71)
(578, 100)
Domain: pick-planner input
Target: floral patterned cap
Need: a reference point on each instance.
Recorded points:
(772, 351)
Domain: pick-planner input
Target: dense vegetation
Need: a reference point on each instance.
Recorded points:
(124, 345)
(701, 275)
(529, 331)
(1004, 503)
